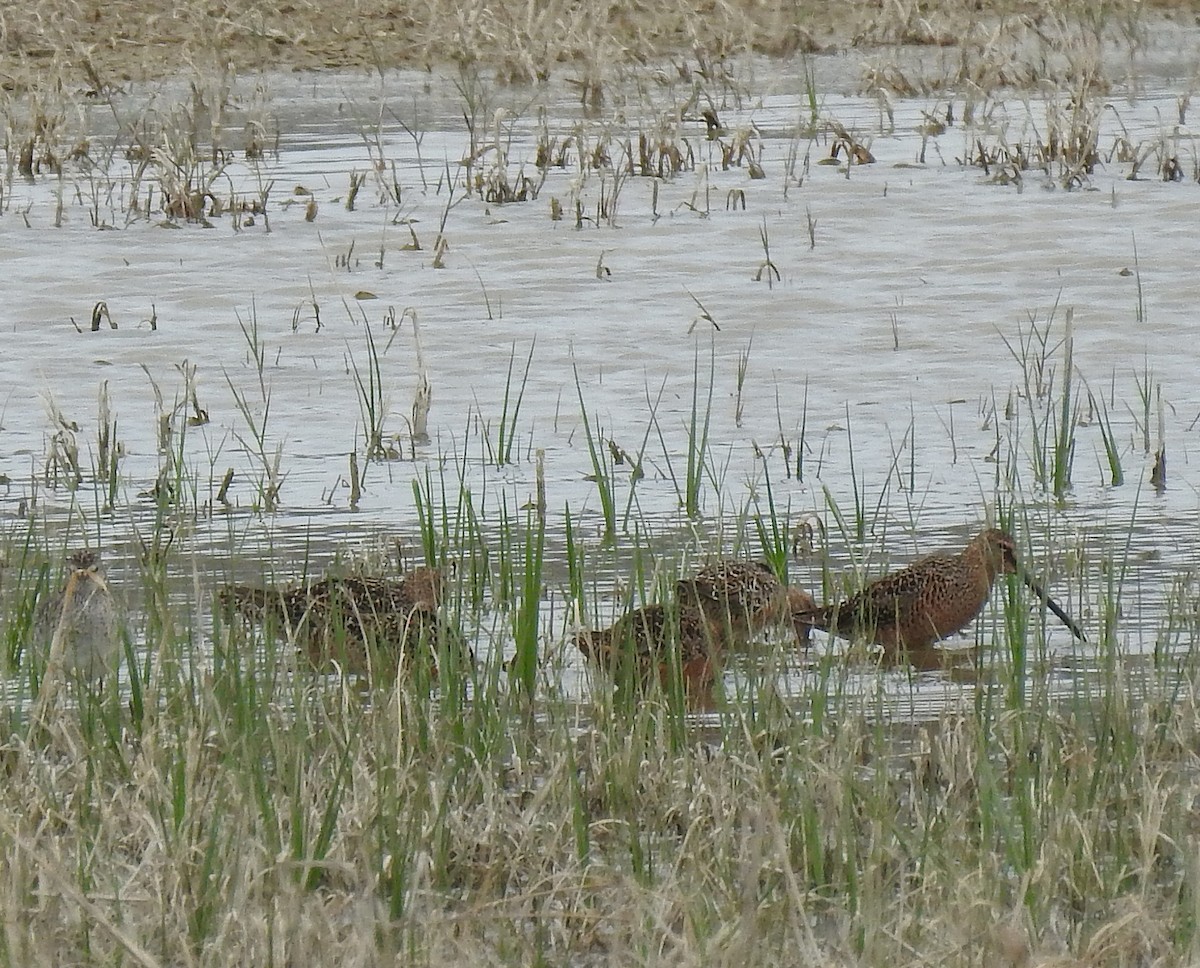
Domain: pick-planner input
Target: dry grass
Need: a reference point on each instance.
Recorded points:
(95, 43)
(257, 823)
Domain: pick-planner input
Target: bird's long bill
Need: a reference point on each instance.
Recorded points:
(1051, 604)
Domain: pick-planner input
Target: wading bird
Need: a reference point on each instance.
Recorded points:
(362, 624)
(722, 606)
(647, 641)
(81, 623)
(935, 596)
(746, 598)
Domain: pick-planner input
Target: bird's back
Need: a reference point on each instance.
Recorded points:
(746, 596)
(346, 619)
(648, 639)
(914, 607)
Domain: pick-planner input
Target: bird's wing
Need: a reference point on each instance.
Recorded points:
(883, 602)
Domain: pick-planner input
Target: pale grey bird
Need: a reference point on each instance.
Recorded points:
(81, 624)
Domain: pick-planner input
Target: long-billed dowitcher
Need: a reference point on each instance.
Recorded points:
(341, 619)
(932, 598)
(81, 623)
(642, 641)
(746, 598)
(723, 605)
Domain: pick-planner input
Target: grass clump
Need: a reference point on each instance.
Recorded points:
(266, 816)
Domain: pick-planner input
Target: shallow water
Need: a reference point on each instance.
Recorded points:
(889, 343)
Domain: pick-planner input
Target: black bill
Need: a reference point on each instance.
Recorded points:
(1051, 604)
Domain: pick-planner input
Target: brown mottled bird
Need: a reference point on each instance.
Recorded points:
(352, 621)
(746, 598)
(82, 623)
(645, 638)
(723, 605)
(932, 598)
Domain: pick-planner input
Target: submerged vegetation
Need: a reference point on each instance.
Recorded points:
(1023, 801)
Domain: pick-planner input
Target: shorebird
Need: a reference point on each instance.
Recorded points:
(935, 596)
(642, 643)
(81, 623)
(746, 598)
(722, 606)
(356, 622)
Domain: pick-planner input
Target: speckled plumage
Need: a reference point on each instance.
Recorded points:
(932, 598)
(646, 635)
(745, 598)
(721, 606)
(339, 619)
(86, 617)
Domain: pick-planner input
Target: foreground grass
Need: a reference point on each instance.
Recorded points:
(229, 813)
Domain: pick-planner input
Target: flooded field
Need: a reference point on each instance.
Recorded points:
(880, 344)
(834, 310)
